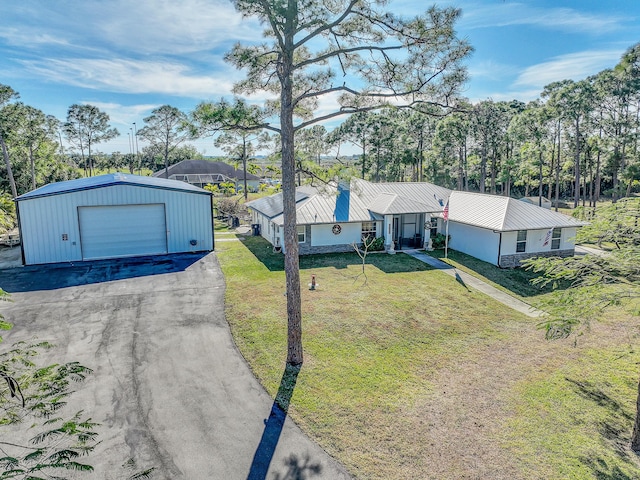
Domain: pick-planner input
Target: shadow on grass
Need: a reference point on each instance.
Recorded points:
(603, 471)
(615, 432)
(295, 468)
(274, 261)
(516, 280)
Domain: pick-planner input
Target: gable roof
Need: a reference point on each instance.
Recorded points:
(394, 204)
(504, 214)
(410, 197)
(363, 201)
(271, 206)
(108, 180)
(360, 201)
(204, 167)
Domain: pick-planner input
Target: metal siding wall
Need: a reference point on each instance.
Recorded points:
(44, 220)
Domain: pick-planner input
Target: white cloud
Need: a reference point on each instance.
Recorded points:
(19, 37)
(574, 66)
(127, 76)
(124, 114)
(491, 70)
(170, 27)
(155, 27)
(565, 19)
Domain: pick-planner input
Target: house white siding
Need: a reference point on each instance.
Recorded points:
(568, 238)
(322, 235)
(50, 226)
(477, 242)
(535, 240)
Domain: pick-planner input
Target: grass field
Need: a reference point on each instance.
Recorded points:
(409, 375)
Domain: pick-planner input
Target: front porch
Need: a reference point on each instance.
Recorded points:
(409, 230)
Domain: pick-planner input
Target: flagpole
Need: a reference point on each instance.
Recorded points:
(445, 215)
(446, 239)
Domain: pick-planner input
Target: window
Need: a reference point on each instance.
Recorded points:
(434, 227)
(555, 238)
(302, 233)
(521, 242)
(368, 229)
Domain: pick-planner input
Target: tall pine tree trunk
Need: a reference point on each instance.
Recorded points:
(558, 167)
(7, 162)
(291, 262)
(244, 167)
(460, 168)
(33, 168)
(483, 169)
(576, 184)
(540, 178)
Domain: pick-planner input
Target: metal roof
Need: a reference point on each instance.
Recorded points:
(271, 206)
(358, 202)
(394, 204)
(364, 201)
(333, 205)
(109, 180)
(504, 214)
(205, 167)
(426, 194)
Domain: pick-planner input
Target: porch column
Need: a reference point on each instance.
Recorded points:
(387, 230)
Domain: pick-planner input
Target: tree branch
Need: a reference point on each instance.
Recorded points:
(324, 28)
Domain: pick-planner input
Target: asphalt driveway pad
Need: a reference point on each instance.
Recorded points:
(169, 386)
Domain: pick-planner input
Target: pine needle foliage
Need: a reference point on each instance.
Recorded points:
(587, 285)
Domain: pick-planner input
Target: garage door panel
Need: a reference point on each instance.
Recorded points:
(122, 230)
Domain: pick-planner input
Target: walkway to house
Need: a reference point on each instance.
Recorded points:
(230, 236)
(476, 283)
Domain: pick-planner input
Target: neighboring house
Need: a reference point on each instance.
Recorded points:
(499, 230)
(111, 216)
(546, 203)
(204, 172)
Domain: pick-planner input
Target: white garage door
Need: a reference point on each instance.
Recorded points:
(122, 230)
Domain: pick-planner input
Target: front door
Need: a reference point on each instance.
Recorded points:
(396, 232)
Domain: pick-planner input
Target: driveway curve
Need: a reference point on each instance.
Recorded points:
(169, 388)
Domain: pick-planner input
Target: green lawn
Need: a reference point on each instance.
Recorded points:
(409, 375)
(515, 281)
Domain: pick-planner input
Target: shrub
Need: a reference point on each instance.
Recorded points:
(439, 240)
(376, 246)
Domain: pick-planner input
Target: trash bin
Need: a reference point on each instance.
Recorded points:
(255, 227)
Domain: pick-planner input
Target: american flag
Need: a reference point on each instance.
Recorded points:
(445, 212)
(547, 237)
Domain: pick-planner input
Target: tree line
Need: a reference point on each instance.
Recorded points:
(578, 140)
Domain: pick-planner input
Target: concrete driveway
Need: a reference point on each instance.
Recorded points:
(169, 386)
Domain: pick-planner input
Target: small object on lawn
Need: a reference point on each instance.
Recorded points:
(313, 284)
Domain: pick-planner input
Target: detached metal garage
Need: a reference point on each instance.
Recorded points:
(112, 216)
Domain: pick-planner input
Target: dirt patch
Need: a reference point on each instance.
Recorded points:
(456, 431)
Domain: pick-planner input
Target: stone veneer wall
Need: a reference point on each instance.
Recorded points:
(512, 261)
(309, 250)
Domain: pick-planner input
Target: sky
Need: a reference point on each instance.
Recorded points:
(128, 58)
